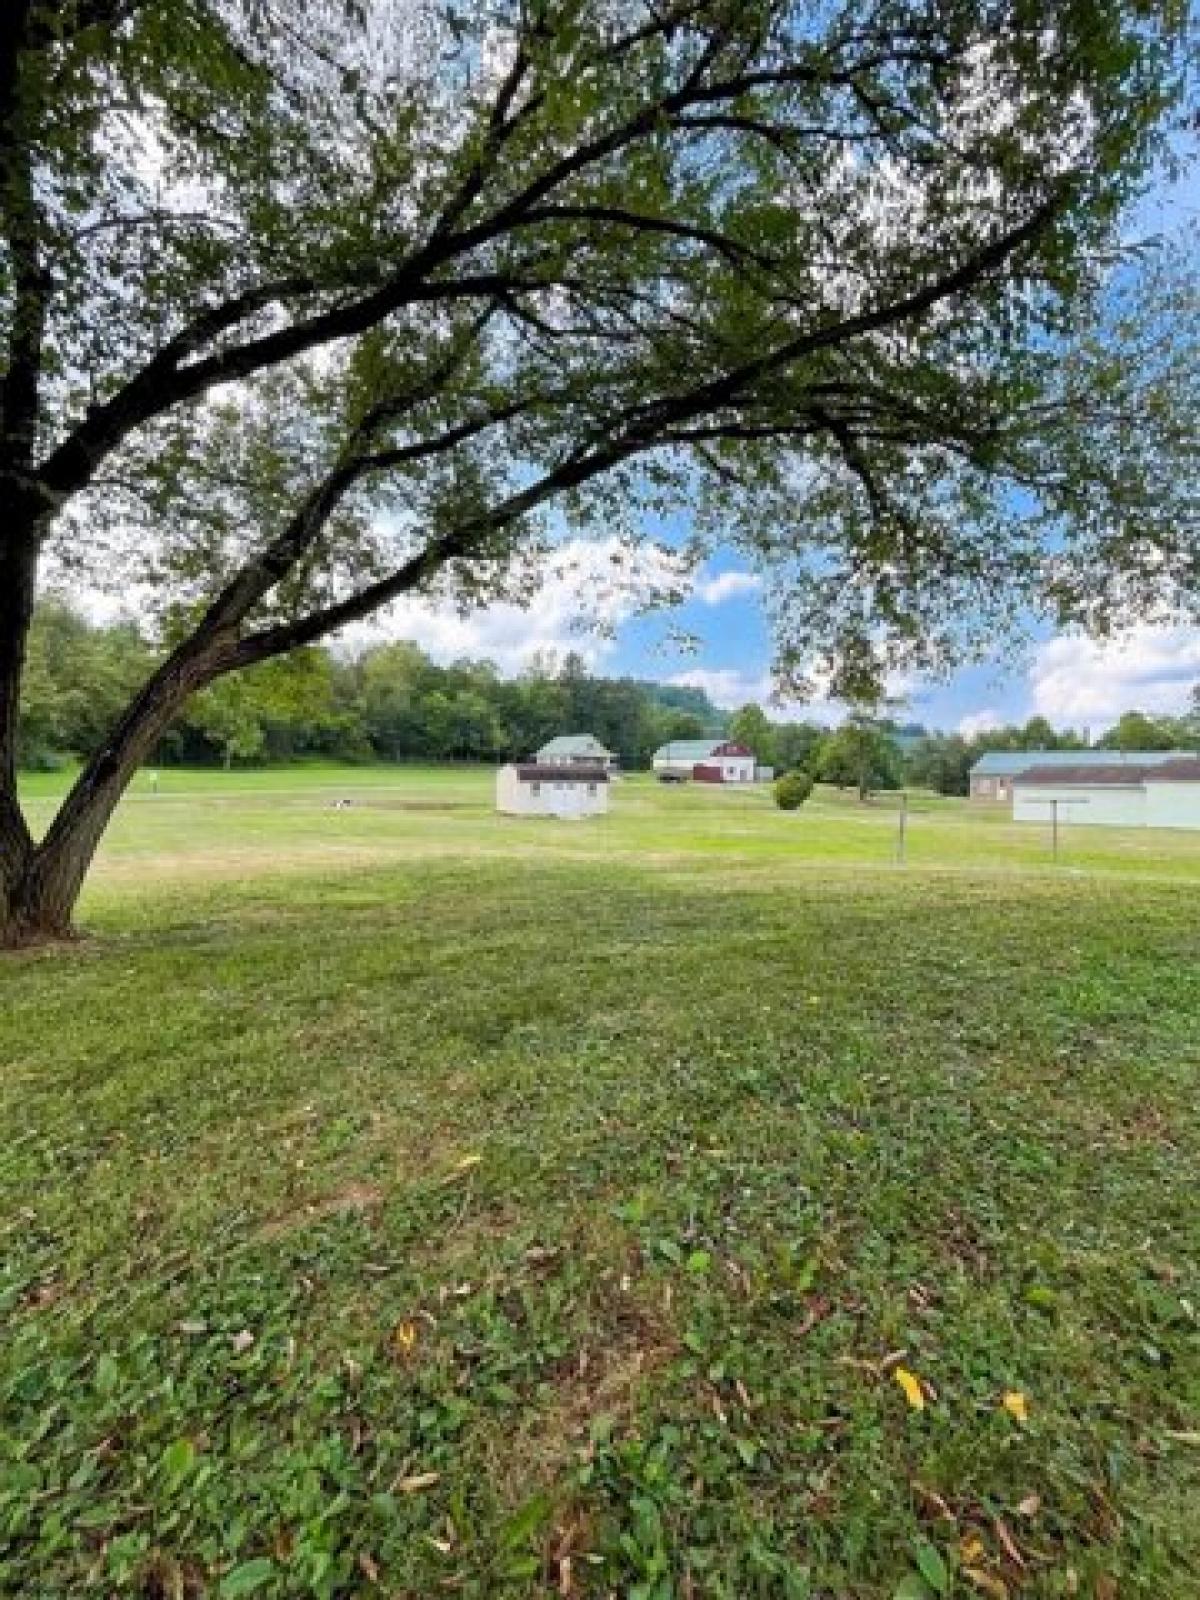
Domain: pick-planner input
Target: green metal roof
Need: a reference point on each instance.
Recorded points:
(1007, 763)
(688, 749)
(573, 744)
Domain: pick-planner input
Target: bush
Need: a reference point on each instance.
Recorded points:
(792, 790)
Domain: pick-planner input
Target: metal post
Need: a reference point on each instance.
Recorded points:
(1054, 825)
(900, 840)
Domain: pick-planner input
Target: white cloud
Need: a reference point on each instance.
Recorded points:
(730, 688)
(726, 686)
(715, 591)
(591, 589)
(977, 722)
(1079, 680)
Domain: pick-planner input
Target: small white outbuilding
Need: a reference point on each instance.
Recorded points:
(535, 789)
(1166, 795)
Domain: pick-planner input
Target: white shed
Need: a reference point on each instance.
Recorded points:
(1165, 795)
(534, 789)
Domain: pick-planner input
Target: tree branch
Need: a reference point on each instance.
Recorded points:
(642, 430)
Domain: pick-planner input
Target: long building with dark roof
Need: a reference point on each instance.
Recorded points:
(1115, 794)
(992, 775)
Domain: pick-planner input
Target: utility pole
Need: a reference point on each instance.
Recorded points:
(903, 827)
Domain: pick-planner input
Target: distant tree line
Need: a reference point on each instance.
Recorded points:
(386, 702)
(391, 702)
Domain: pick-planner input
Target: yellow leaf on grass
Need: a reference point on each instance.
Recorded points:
(1015, 1404)
(404, 1336)
(971, 1549)
(466, 1164)
(911, 1384)
(986, 1583)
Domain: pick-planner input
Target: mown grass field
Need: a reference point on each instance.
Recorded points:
(401, 1200)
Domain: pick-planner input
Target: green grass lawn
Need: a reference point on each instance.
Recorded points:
(402, 1200)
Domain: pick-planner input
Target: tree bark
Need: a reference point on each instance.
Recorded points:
(18, 578)
(42, 887)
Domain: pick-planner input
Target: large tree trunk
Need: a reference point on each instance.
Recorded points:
(18, 577)
(41, 883)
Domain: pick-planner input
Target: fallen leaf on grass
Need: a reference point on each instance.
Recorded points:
(404, 1336)
(242, 1341)
(1011, 1549)
(1030, 1506)
(935, 1501)
(971, 1549)
(465, 1165)
(911, 1384)
(1186, 1436)
(417, 1482)
(996, 1588)
(1016, 1405)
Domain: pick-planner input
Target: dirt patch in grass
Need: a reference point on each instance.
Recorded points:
(631, 1341)
(364, 1198)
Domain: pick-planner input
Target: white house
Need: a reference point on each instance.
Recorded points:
(1164, 794)
(536, 789)
(575, 750)
(706, 760)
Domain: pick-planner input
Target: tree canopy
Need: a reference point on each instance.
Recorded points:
(309, 306)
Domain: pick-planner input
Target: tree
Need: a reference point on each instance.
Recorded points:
(77, 678)
(796, 744)
(1134, 730)
(404, 278)
(226, 714)
(750, 727)
(942, 763)
(1038, 734)
(859, 756)
(1190, 722)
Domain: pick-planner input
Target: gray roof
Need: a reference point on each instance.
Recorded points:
(1007, 763)
(573, 744)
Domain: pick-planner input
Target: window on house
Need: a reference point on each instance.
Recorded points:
(535, 788)
(591, 788)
